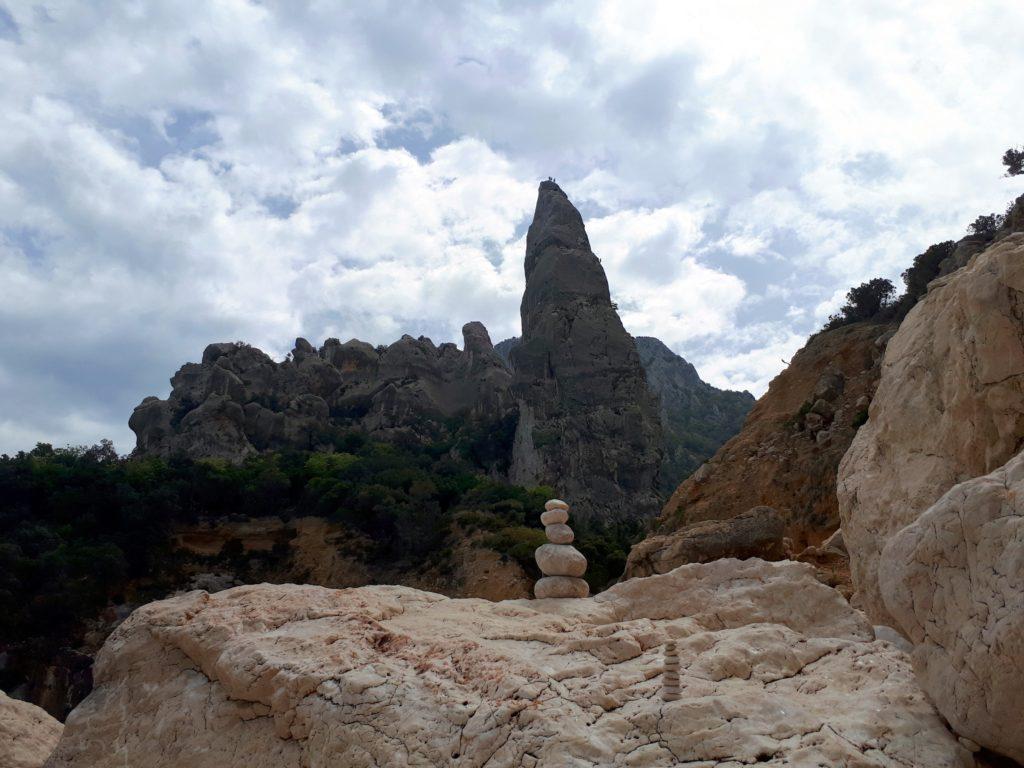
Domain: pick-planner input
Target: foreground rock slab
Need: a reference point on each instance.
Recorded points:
(949, 407)
(27, 733)
(774, 668)
(954, 580)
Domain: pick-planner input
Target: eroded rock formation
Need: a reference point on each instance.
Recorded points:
(27, 734)
(238, 401)
(588, 425)
(949, 407)
(774, 668)
(954, 582)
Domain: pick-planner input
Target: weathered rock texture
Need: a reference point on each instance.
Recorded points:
(758, 532)
(787, 453)
(949, 407)
(588, 425)
(774, 669)
(954, 581)
(238, 400)
(696, 418)
(27, 734)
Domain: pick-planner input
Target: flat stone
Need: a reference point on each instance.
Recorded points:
(554, 516)
(560, 586)
(560, 560)
(556, 504)
(559, 533)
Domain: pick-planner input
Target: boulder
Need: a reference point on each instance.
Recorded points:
(954, 582)
(774, 669)
(949, 407)
(758, 532)
(27, 734)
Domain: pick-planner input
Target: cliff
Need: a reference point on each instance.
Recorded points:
(588, 425)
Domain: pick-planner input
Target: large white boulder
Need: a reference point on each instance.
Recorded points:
(949, 407)
(27, 734)
(775, 668)
(954, 581)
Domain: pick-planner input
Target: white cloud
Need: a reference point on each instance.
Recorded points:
(176, 174)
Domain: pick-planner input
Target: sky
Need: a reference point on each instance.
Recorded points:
(174, 174)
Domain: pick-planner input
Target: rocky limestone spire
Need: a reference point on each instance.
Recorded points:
(588, 424)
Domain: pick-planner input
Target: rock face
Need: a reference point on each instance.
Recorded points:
(949, 407)
(758, 532)
(238, 401)
(954, 581)
(27, 734)
(696, 418)
(790, 446)
(588, 425)
(774, 668)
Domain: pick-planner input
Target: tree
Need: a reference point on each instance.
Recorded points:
(865, 302)
(986, 226)
(925, 269)
(1013, 159)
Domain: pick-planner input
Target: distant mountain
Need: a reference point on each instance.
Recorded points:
(696, 418)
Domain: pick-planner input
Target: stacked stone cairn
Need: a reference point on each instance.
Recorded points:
(560, 562)
(670, 677)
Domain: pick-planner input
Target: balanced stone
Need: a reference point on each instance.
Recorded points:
(554, 516)
(559, 533)
(560, 586)
(560, 560)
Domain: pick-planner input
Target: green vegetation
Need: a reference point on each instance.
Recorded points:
(81, 528)
(1013, 159)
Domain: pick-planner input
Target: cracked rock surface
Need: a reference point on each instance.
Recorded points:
(949, 407)
(27, 733)
(775, 668)
(954, 580)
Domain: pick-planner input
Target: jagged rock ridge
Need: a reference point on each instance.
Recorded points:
(575, 411)
(588, 425)
(238, 400)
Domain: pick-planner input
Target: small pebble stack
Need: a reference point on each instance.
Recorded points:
(670, 678)
(560, 562)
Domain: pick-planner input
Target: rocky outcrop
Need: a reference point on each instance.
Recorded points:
(27, 734)
(696, 418)
(949, 407)
(758, 532)
(588, 425)
(954, 582)
(239, 401)
(774, 668)
(790, 446)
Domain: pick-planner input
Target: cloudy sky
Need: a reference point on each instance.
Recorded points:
(173, 174)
